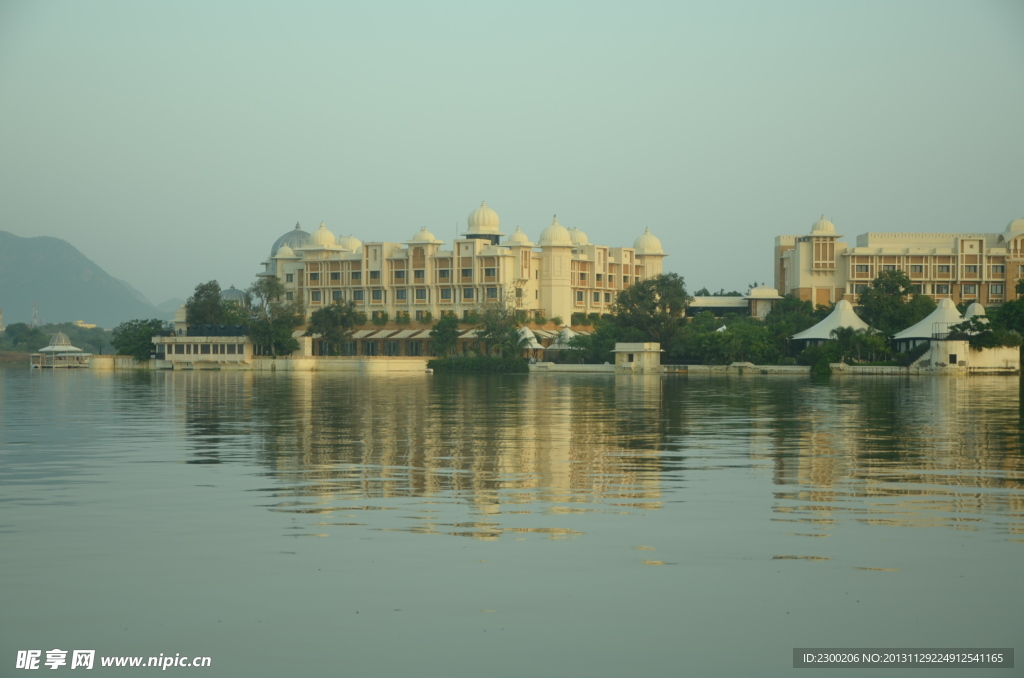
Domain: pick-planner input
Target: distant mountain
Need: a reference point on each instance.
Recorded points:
(64, 284)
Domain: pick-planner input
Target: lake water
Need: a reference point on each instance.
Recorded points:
(547, 525)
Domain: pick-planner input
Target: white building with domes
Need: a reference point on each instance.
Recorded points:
(563, 273)
(982, 267)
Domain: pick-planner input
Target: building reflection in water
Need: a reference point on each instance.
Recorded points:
(500, 445)
(921, 452)
(492, 451)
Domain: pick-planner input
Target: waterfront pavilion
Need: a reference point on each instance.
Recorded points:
(935, 326)
(842, 315)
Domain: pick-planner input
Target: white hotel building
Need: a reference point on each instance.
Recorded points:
(982, 267)
(563, 273)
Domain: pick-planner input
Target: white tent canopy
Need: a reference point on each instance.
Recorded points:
(562, 340)
(841, 316)
(937, 322)
(531, 339)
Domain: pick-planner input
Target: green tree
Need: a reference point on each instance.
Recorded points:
(24, 338)
(499, 328)
(653, 306)
(445, 335)
(981, 333)
(596, 348)
(335, 323)
(234, 313)
(274, 321)
(204, 307)
(889, 304)
(135, 337)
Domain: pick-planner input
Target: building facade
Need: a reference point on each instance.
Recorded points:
(563, 273)
(982, 267)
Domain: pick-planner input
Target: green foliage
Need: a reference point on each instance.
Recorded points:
(1010, 316)
(557, 320)
(981, 333)
(579, 319)
(821, 368)
(890, 305)
(653, 306)
(445, 335)
(204, 306)
(335, 323)
(135, 337)
(273, 320)
(402, 319)
(480, 363)
(380, 319)
(428, 317)
(499, 329)
(861, 345)
(703, 292)
(539, 319)
(23, 338)
(596, 348)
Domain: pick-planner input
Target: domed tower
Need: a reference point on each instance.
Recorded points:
(323, 237)
(1013, 236)
(483, 224)
(556, 270)
(649, 253)
(294, 238)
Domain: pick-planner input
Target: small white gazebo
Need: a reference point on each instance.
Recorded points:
(60, 353)
(842, 315)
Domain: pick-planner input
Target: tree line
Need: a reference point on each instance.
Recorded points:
(652, 310)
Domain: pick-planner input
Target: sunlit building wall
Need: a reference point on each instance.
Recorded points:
(982, 267)
(563, 273)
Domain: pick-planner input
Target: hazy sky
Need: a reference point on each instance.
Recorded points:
(173, 142)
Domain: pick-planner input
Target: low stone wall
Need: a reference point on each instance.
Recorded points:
(375, 364)
(843, 368)
(120, 362)
(746, 369)
(571, 367)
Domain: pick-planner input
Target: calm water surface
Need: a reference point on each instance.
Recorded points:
(552, 525)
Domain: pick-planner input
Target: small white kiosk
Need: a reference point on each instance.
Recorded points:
(639, 358)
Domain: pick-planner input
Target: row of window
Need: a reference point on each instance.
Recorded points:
(420, 294)
(205, 349)
(599, 277)
(418, 274)
(997, 269)
(596, 297)
(994, 290)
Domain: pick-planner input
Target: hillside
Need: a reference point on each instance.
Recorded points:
(64, 284)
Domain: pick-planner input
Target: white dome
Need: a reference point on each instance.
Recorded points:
(1016, 225)
(579, 238)
(555, 235)
(765, 292)
(285, 252)
(349, 242)
(975, 310)
(519, 238)
(648, 244)
(323, 237)
(425, 236)
(483, 220)
(823, 227)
